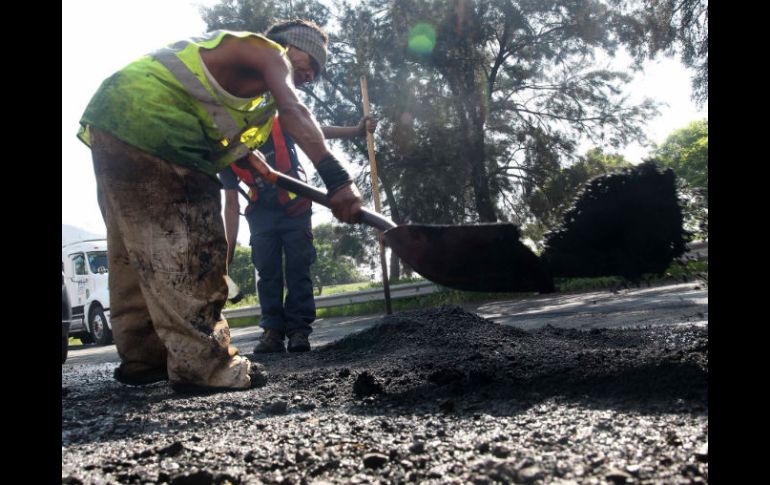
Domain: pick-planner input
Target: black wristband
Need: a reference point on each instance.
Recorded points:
(333, 174)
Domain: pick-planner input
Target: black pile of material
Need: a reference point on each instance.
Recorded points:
(625, 224)
(417, 357)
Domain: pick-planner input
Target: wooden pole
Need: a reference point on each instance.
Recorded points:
(376, 196)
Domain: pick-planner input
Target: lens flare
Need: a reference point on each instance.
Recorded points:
(422, 38)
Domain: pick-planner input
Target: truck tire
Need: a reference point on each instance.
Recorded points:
(64, 345)
(65, 315)
(66, 320)
(85, 337)
(97, 326)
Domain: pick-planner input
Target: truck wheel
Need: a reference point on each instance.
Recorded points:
(64, 345)
(97, 325)
(85, 337)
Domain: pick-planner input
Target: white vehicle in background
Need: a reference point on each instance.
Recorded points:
(84, 264)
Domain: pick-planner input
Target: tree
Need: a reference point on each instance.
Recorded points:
(338, 253)
(352, 241)
(504, 92)
(685, 151)
(257, 15)
(478, 101)
(242, 270)
(340, 249)
(670, 27)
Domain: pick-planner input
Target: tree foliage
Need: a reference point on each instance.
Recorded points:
(339, 251)
(670, 27)
(351, 241)
(257, 15)
(241, 270)
(505, 93)
(685, 151)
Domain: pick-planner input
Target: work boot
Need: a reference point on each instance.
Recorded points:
(270, 342)
(298, 342)
(257, 378)
(140, 378)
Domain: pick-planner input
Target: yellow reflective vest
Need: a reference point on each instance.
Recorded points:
(163, 104)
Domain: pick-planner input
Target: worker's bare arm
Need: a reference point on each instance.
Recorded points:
(296, 119)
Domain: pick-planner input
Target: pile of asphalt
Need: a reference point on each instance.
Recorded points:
(439, 396)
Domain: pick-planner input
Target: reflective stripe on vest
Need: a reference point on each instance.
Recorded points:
(223, 121)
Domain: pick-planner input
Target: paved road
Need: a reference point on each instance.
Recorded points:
(685, 303)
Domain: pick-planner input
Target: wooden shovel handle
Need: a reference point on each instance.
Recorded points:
(309, 192)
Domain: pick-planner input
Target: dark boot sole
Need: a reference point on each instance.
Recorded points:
(259, 349)
(149, 377)
(299, 348)
(258, 379)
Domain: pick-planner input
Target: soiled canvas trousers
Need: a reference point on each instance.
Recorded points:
(166, 250)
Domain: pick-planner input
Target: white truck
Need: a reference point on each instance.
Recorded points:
(84, 264)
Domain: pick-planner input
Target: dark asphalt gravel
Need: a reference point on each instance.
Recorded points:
(434, 396)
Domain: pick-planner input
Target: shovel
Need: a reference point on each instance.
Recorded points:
(482, 257)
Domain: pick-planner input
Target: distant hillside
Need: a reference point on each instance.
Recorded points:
(71, 234)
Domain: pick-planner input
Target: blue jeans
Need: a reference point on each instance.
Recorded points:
(271, 239)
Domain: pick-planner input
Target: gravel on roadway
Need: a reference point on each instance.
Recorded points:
(431, 396)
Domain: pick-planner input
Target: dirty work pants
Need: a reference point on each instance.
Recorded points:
(273, 236)
(166, 250)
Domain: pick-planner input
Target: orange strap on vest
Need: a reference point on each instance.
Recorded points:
(248, 178)
(282, 161)
(283, 165)
(293, 206)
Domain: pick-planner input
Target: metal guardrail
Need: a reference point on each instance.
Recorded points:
(404, 290)
(696, 250)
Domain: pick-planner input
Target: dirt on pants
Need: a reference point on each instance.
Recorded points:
(167, 264)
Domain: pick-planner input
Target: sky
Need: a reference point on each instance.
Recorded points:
(99, 37)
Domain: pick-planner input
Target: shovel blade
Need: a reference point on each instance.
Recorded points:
(483, 257)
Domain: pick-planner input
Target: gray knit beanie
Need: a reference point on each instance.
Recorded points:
(306, 39)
